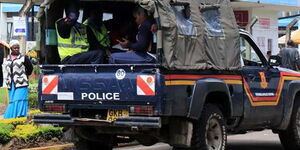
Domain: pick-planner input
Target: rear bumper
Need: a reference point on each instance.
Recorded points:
(139, 122)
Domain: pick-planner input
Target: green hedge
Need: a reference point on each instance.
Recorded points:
(33, 93)
(25, 132)
(49, 132)
(32, 132)
(14, 121)
(5, 130)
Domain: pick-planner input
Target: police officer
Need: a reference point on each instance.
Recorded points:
(72, 40)
(138, 50)
(96, 31)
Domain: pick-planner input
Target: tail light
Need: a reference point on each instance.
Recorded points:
(142, 110)
(59, 108)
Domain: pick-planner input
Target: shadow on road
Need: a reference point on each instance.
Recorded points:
(254, 146)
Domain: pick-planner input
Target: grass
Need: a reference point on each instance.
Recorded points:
(3, 96)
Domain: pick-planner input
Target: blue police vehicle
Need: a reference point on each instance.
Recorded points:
(210, 79)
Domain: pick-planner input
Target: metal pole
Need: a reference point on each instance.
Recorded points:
(32, 23)
(288, 29)
(251, 24)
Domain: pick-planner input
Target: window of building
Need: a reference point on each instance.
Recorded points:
(183, 19)
(212, 22)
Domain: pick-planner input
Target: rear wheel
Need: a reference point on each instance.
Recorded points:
(290, 138)
(209, 132)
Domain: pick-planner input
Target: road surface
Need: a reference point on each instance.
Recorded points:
(264, 140)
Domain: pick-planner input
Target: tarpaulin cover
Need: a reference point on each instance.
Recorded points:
(196, 34)
(199, 34)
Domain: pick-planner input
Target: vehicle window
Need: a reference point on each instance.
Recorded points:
(249, 56)
(212, 20)
(107, 16)
(183, 19)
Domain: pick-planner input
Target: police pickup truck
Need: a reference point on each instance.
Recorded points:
(210, 80)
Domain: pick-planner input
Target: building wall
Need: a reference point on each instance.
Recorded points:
(276, 2)
(265, 31)
(3, 25)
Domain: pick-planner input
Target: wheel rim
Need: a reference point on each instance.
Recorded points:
(213, 134)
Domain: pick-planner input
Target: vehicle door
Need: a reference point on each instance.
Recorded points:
(262, 86)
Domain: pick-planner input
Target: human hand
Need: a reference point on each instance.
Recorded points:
(130, 51)
(154, 28)
(123, 43)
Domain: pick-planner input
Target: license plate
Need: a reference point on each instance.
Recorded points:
(113, 114)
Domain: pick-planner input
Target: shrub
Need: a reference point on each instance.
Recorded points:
(33, 93)
(5, 130)
(25, 132)
(49, 132)
(33, 100)
(33, 112)
(14, 121)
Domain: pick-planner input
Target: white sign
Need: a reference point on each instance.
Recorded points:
(120, 74)
(19, 26)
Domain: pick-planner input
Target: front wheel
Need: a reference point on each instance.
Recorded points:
(209, 131)
(290, 138)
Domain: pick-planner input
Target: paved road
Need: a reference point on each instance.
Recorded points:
(264, 140)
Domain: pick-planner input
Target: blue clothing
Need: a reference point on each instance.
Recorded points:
(89, 57)
(140, 56)
(18, 102)
(131, 58)
(144, 37)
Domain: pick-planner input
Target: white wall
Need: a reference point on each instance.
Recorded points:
(3, 25)
(261, 33)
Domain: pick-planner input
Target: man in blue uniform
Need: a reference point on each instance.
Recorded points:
(137, 52)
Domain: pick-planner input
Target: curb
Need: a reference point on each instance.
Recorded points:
(61, 147)
(55, 147)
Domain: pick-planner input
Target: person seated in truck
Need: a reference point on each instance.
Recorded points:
(73, 45)
(137, 51)
(97, 33)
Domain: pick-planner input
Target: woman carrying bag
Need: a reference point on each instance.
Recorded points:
(18, 69)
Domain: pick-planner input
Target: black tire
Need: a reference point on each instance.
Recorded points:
(290, 138)
(209, 131)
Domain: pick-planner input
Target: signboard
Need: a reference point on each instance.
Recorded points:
(242, 17)
(261, 43)
(19, 26)
(264, 23)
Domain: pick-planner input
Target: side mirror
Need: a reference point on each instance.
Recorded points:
(275, 60)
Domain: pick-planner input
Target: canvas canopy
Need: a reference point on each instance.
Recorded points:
(199, 34)
(194, 34)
